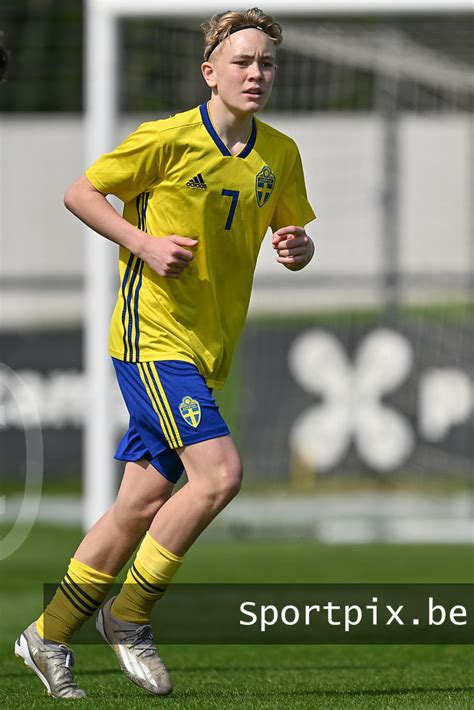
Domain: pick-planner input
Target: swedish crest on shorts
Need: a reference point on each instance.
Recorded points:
(190, 410)
(264, 184)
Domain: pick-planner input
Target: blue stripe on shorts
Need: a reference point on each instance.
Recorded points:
(170, 406)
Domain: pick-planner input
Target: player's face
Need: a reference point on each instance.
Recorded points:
(243, 71)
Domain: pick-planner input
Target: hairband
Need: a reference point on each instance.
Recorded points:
(245, 27)
(231, 32)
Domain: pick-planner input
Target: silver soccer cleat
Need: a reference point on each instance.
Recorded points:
(135, 649)
(52, 663)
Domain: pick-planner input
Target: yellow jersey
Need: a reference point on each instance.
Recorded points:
(176, 176)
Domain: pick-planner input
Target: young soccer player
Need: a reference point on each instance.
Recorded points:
(200, 190)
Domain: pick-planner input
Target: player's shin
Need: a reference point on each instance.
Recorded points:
(147, 580)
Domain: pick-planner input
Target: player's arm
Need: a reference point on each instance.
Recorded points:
(293, 246)
(167, 256)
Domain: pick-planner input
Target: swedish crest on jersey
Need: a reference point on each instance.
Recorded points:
(264, 184)
(190, 410)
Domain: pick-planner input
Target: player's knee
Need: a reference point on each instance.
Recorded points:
(136, 513)
(234, 482)
(227, 482)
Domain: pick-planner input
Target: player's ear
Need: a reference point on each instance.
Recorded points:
(209, 74)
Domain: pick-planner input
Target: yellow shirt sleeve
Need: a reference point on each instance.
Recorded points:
(131, 168)
(293, 207)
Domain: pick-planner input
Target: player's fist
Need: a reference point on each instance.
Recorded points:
(293, 246)
(168, 256)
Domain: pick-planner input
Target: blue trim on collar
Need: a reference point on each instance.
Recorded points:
(250, 142)
(206, 119)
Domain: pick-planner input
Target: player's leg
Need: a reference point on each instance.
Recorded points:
(111, 541)
(214, 476)
(133, 642)
(174, 411)
(104, 551)
(214, 472)
(92, 570)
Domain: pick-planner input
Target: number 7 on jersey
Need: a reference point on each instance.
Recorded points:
(234, 194)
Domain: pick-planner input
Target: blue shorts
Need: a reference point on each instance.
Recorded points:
(170, 406)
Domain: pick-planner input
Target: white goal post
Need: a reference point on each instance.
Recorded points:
(101, 119)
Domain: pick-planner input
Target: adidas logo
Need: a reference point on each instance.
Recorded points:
(197, 181)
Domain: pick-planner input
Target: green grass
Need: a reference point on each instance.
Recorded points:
(253, 676)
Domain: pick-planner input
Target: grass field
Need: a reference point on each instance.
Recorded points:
(253, 676)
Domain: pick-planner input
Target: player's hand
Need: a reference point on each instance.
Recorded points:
(294, 247)
(168, 256)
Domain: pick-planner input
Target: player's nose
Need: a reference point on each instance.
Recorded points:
(255, 70)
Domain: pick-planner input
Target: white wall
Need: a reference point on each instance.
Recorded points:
(435, 194)
(342, 155)
(39, 158)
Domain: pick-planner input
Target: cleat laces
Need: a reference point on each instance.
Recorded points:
(64, 657)
(141, 639)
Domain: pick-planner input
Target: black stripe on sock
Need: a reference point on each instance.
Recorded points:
(90, 609)
(140, 579)
(71, 600)
(152, 586)
(86, 609)
(140, 584)
(94, 602)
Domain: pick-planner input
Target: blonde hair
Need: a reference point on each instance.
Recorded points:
(220, 26)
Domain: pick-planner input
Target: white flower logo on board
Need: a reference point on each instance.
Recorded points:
(352, 406)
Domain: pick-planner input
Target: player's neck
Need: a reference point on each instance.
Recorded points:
(233, 128)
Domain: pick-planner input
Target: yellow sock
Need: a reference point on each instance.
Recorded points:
(146, 582)
(79, 595)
